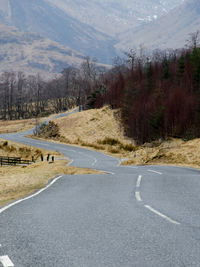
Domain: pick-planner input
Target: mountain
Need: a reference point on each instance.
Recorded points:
(115, 16)
(100, 29)
(44, 18)
(32, 53)
(169, 31)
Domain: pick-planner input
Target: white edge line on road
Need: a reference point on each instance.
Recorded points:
(70, 162)
(155, 172)
(112, 173)
(161, 215)
(5, 260)
(119, 162)
(139, 181)
(137, 196)
(31, 196)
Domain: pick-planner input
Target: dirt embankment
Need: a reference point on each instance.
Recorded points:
(100, 129)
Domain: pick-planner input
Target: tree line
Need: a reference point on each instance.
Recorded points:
(158, 95)
(27, 96)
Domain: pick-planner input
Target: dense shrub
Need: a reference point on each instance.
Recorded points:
(50, 130)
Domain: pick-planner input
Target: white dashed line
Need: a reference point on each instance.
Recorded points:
(95, 161)
(132, 167)
(137, 196)
(161, 215)
(139, 181)
(155, 172)
(29, 197)
(5, 260)
(93, 158)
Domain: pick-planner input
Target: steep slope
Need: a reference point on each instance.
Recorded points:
(42, 17)
(118, 15)
(32, 53)
(170, 31)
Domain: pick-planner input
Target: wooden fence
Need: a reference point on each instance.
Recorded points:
(14, 161)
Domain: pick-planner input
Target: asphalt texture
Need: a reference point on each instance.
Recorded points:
(144, 216)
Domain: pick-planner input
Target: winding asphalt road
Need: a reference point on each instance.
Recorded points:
(146, 216)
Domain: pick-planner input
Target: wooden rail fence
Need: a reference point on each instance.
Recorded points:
(14, 161)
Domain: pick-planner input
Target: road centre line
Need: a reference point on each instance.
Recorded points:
(155, 172)
(5, 260)
(139, 181)
(93, 158)
(132, 167)
(31, 196)
(137, 196)
(161, 215)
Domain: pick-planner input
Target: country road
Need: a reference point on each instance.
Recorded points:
(145, 216)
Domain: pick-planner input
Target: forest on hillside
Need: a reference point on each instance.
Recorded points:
(158, 95)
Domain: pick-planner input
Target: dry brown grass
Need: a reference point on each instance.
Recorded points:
(172, 152)
(100, 129)
(97, 129)
(17, 182)
(23, 125)
(12, 149)
(16, 125)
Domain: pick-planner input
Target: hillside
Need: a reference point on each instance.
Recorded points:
(32, 53)
(46, 19)
(100, 129)
(119, 16)
(170, 31)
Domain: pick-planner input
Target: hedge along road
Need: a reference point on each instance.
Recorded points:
(129, 216)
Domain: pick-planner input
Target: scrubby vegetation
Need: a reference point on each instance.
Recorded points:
(49, 130)
(15, 150)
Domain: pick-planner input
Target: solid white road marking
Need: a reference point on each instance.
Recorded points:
(31, 196)
(155, 172)
(5, 260)
(161, 215)
(138, 197)
(139, 181)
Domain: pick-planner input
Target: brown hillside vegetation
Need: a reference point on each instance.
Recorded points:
(100, 129)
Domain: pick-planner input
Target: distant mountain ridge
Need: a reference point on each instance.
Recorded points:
(100, 29)
(170, 31)
(31, 53)
(46, 19)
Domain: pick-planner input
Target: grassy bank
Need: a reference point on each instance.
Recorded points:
(19, 181)
(100, 129)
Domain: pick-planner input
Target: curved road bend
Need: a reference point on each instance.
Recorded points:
(146, 216)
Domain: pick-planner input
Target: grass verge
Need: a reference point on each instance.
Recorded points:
(19, 181)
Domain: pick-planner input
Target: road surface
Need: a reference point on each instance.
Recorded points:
(145, 216)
